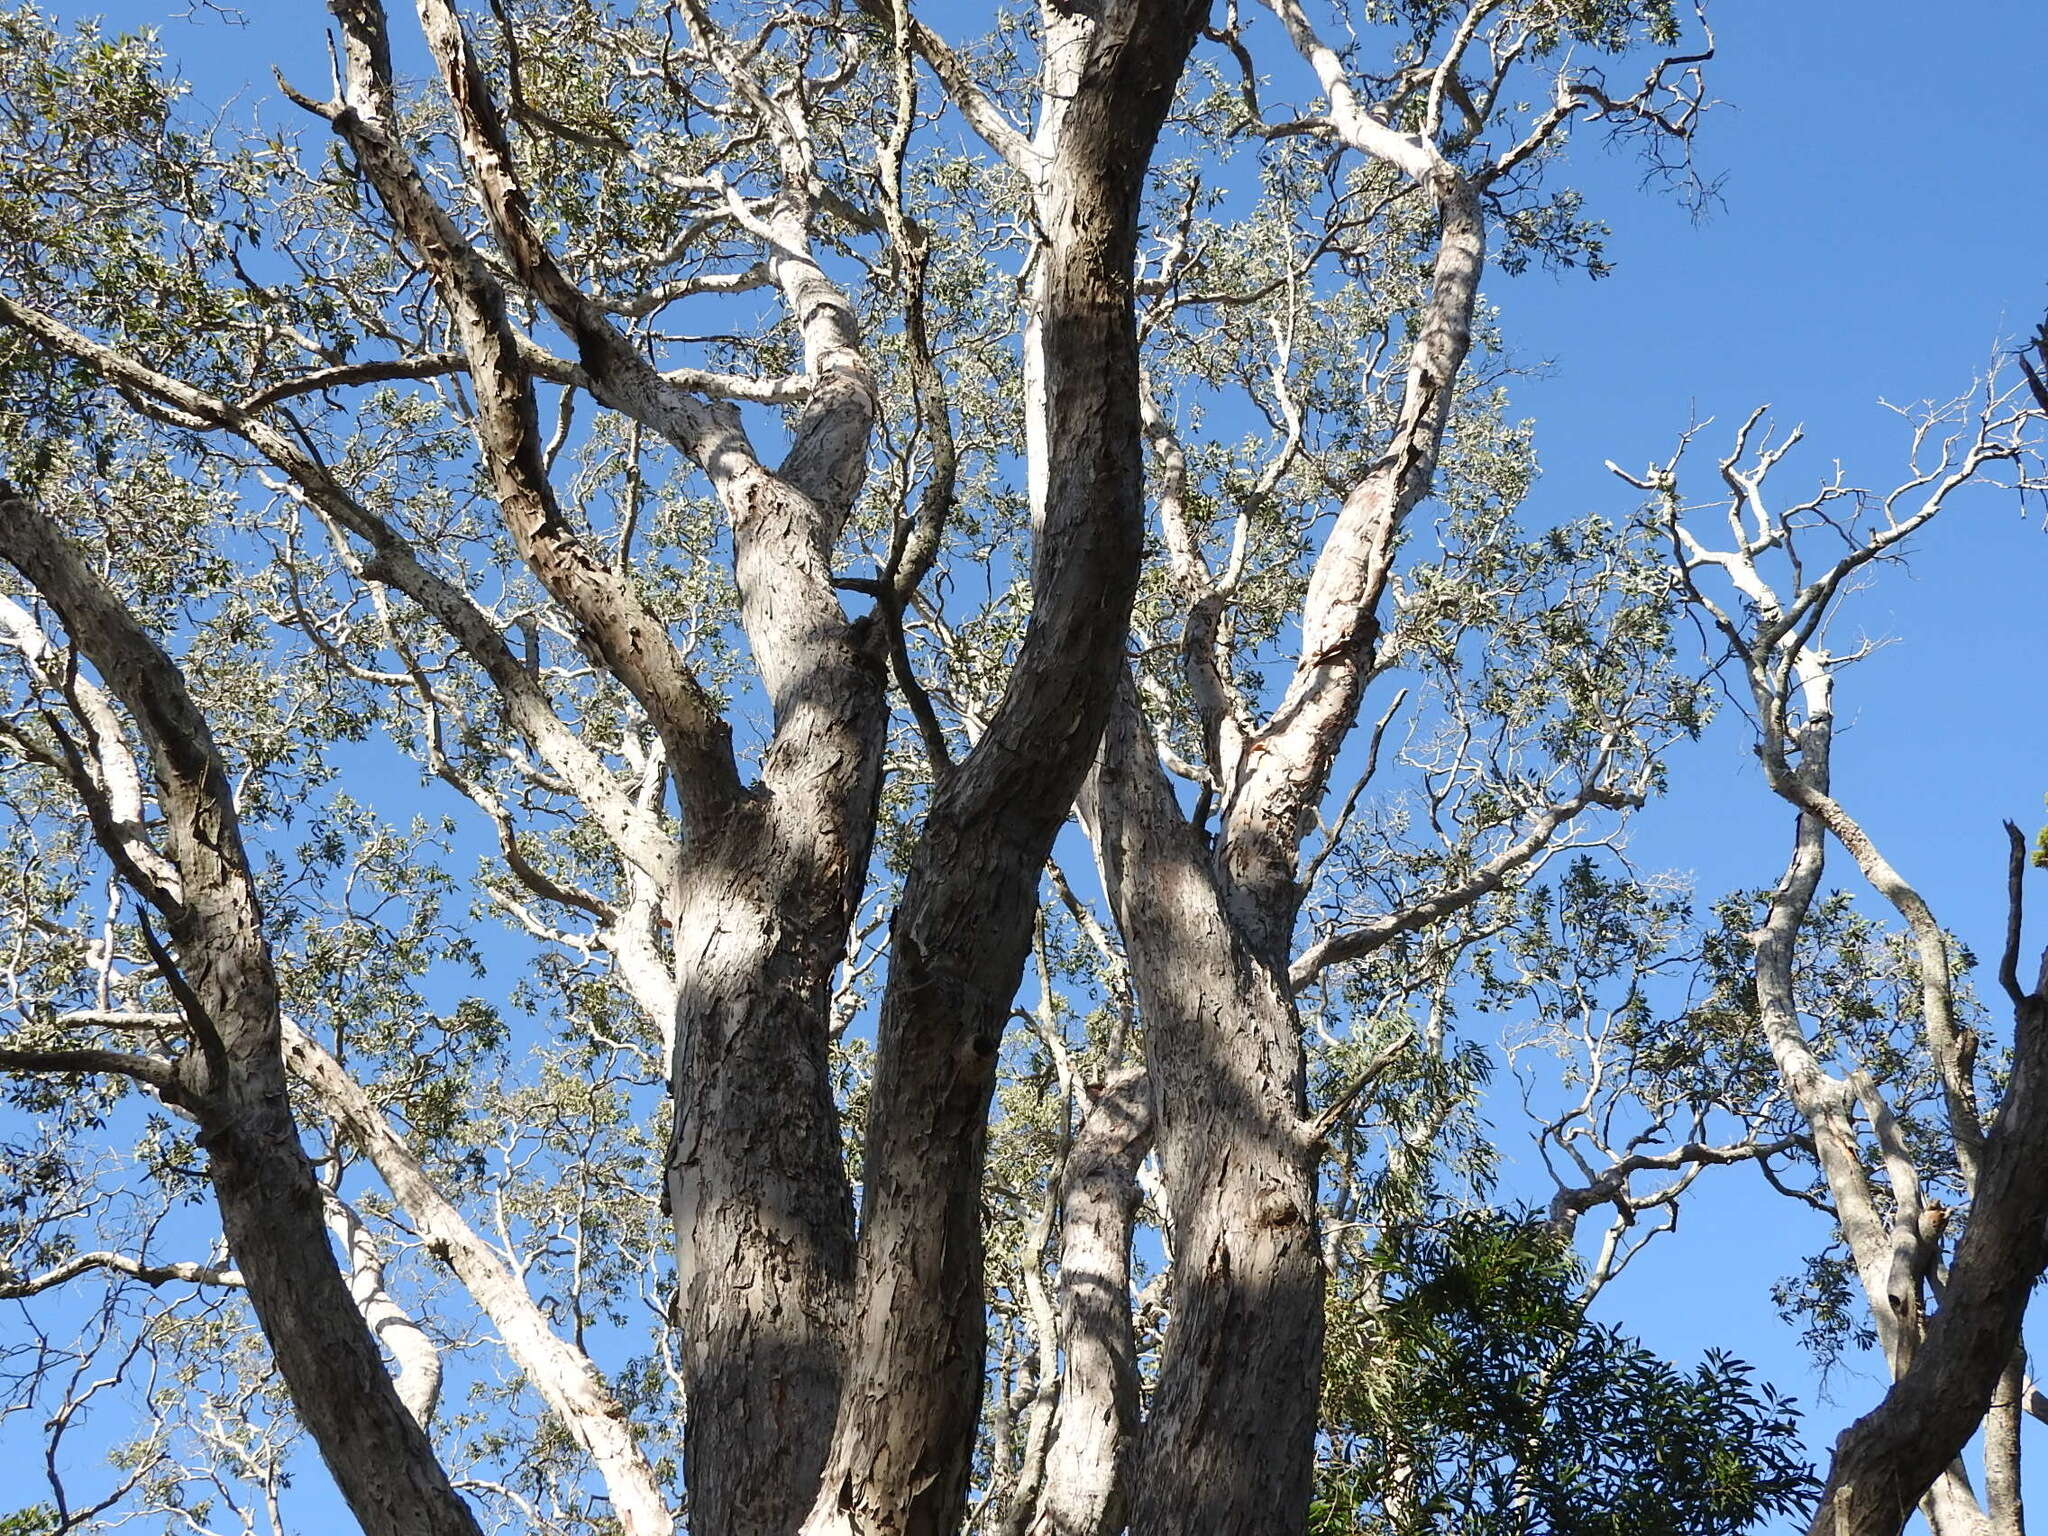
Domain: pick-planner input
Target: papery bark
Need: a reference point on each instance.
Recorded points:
(962, 930)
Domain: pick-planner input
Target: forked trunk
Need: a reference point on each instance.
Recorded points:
(1229, 1445)
(271, 1214)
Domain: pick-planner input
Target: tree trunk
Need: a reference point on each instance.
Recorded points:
(1230, 1444)
(756, 1179)
(756, 1182)
(905, 1437)
(1088, 1467)
(2002, 1490)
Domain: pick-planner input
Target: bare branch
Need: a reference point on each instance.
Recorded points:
(181, 1272)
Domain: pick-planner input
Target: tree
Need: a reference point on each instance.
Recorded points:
(450, 428)
(1536, 1422)
(1950, 1367)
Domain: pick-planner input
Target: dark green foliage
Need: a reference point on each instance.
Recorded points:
(1465, 1392)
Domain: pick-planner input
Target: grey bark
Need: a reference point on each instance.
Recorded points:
(2003, 1499)
(802, 834)
(905, 1432)
(1088, 1464)
(233, 1082)
(762, 1211)
(1229, 1443)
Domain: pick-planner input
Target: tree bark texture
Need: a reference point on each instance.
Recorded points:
(1229, 1444)
(234, 1081)
(1089, 1462)
(756, 1183)
(962, 930)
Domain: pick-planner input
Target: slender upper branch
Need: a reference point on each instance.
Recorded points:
(180, 1271)
(392, 560)
(633, 640)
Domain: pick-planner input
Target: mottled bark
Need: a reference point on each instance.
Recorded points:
(905, 1434)
(233, 1081)
(762, 1211)
(2003, 1500)
(756, 1181)
(1229, 1444)
(1086, 1491)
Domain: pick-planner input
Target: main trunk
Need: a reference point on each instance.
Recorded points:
(905, 1438)
(958, 947)
(756, 1181)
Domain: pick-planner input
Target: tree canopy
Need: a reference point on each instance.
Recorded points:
(770, 770)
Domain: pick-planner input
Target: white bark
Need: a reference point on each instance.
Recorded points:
(414, 1354)
(559, 1371)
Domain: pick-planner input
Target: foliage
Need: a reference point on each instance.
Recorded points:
(463, 933)
(1465, 1392)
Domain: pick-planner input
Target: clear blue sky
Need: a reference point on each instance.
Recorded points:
(1884, 221)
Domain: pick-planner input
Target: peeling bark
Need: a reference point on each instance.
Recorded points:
(770, 875)
(962, 930)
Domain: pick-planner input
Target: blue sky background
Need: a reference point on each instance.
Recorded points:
(1882, 226)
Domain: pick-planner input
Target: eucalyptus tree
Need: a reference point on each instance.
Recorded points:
(466, 411)
(1210, 919)
(763, 1320)
(1927, 1149)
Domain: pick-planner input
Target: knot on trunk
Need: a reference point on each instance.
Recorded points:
(1277, 1210)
